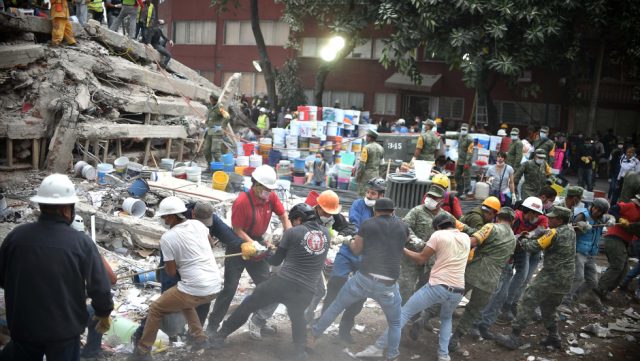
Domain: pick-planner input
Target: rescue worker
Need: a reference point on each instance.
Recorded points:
(144, 18)
(446, 282)
(514, 153)
(463, 164)
(96, 10)
(47, 271)
(545, 143)
(263, 121)
(428, 143)
(380, 240)
(81, 11)
(250, 217)
(589, 225)
(113, 10)
(369, 165)
(535, 172)
(630, 186)
(450, 202)
(128, 11)
(216, 122)
(60, 24)
(493, 243)
(616, 242)
(302, 253)
(157, 39)
(551, 284)
(482, 214)
(573, 197)
(346, 263)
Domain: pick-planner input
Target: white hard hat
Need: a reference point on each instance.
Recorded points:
(263, 110)
(534, 204)
(171, 205)
(502, 133)
(400, 121)
(56, 189)
(288, 116)
(266, 176)
(78, 224)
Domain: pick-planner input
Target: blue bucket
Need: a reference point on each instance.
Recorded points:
(216, 166)
(298, 164)
(229, 168)
(227, 158)
(343, 185)
(274, 157)
(145, 277)
(138, 188)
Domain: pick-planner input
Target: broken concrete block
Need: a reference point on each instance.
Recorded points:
(19, 54)
(33, 24)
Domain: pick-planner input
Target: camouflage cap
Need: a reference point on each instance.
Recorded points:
(541, 153)
(544, 129)
(213, 95)
(372, 133)
(464, 126)
(515, 131)
(436, 191)
(573, 191)
(430, 122)
(560, 212)
(507, 211)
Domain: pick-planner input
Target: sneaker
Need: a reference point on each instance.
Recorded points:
(140, 355)
(444, 358)
(370, 351)
(301, 356)
(254, 330)
(564, 308)
(511, 342)
(268, 330)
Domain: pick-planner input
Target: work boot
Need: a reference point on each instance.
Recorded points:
(512, 341)
(454, 342)
(553, 339)
(370, 352)
(212, 330)
(300, 354)
(486, 333)
(345, 336)
(565, 308)
(268, 330)
(199, 345)
(140, 354)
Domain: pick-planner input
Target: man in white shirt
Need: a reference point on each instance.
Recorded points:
(186, 249)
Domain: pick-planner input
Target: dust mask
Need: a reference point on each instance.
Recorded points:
(543, 135)
(463, 132)
(163, 224)
(539, 161)
(327, 221)
(514, 137)
(620, 146)
(369, 202)
(431, 204)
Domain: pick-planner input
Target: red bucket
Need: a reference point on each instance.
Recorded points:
(247, 148)
(248, 171)
(312, 198)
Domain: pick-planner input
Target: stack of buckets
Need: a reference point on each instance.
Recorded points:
(228, 163)
(344, 176)
(265, 148)
(292, 147)
(299, 171)
(242, 163)
(284, 170)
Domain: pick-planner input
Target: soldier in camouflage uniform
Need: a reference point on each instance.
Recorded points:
(217, 120)
(463, 164)
(552, 283)
(494, 244)
(630, 186)
(535, 172)
(428, 143)
(514, 153)
(370, 159)
(543, 142)
(573, 198)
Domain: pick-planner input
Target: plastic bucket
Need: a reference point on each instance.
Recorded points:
(120, 165)
(356, 145)
(255, 161)
(133, 169)
(242, 161)
(239, 169)
(103, 170)
(138, 188)
(343, 185)
(344, 171)
(312, 198)
(348, 158)
(120, 332)
(89, 172)
(299, 164)
(77, 169)
(274, 157)
(220, 180)
(298, 180)
(194, 174)
(134, 207)
(216, 166)
(180, 172)
(227, 158)
(332, 129)
(229, 168)
(248, 171)
(145, 277)
(248, 148)
(156, 176)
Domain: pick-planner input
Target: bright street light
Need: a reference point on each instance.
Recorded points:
(337, 43)
(256, 65)
(328, 53)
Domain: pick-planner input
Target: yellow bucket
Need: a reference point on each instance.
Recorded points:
(220, 180)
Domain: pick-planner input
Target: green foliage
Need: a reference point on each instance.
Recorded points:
(290, 90)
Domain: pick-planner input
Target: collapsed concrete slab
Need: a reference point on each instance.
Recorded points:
(123, 131)
(20, 55)
(24, 128)
(32, 24)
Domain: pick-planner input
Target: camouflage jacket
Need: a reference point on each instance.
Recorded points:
(429, 144)
(559, 246)
(464, 142)
(630, 186)
(370, 159)
(473, 219)
(216, 117)
(535, 177)
(496, 244)
(547, 145)
(514, 154)
(420, 221)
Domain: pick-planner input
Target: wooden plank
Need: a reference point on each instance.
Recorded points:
(147, 146)
(180, 149)
(106, 151)
(192, 190)
(169, 148)
(35, 153)
(96, 149)
(85, 155)
(118, 148)
(43, 152)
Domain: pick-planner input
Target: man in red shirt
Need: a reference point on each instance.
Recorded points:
(616, 242)
(250, 218)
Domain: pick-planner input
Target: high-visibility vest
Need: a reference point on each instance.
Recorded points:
(129, 2)
(95, 6)
(149, 14)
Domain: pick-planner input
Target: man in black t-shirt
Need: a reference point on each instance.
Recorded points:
(381, 242)
(303, 249)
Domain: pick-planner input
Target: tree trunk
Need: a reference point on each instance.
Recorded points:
(267, 70)
(595, 90)
(318, 88)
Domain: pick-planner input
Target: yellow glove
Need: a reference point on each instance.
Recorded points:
(104, 324)
(248, 250)
(624, 222)
(224, 113)
(459, 226)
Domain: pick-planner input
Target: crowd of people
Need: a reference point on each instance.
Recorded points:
(416, 268)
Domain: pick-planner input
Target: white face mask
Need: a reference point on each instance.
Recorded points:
(463, 132)
(431, 204)
(543, 135)
(514, 137)
(369, 202)
(620, 146)
(539, 161)
(327, 221)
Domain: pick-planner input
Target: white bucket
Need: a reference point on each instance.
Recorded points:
(293, 154)
(77, 169)
(134, 207)
(166, 163)
(156, 176)
(242, 161)
(267, 141)
(89, 172)
(332, 129)
(121, 164)
(103, 170)
(294, 128)
(482, 190)
(279, 135)
(292, 141)
(194, 174)
(255, 161)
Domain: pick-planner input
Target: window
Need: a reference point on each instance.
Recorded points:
(347, 99)
(275, 33)
(385, 103)
(362, 51)
(451, 108)
(194, 32)
(378, 46)
(250, 83)
(525, 113)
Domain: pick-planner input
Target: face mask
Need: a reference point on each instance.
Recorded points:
(318, 160)
(369, 202)
(463, 132)
(539, 161)
(431, 204)
(514, 137)
(264, 195)
(543, 135)
(620, 146)
(327, 221)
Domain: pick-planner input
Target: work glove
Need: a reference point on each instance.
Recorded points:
(346, 241)
(624, 222)
(415, 244)
(103, 325)
(413, 159)
(610, 220)
(248, 250)
(583, 226)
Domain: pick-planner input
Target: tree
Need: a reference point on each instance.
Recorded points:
(265, 63)
(289, 85)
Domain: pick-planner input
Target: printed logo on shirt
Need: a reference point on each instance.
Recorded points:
(315, 242)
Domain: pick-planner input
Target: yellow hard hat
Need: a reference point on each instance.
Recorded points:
(438, 120)
(441, 180)
(493, 203)
(504, 126)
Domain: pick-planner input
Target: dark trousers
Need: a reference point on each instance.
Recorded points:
(275, 290)
(233, 267)
(96, 16)
(141, 29)
(166, 55)
(349, 315)
(65, 350)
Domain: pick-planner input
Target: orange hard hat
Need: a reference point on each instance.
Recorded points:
(329, 202)
(493, 203)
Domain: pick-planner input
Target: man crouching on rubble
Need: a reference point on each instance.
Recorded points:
(303, 249)
(185, 248)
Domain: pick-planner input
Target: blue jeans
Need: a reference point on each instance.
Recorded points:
(422, 299)
(491, 311)
(358, 287)
(525, 264)
(94, 338)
